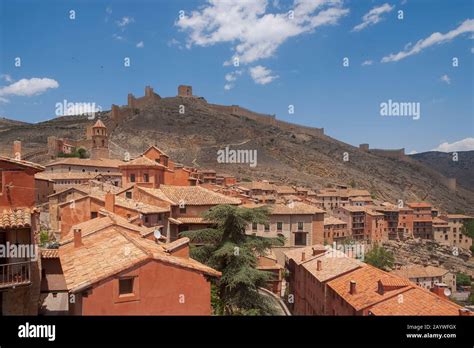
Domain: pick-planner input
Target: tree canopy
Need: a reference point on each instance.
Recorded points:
(229, 250)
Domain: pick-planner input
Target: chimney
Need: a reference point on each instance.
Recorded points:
(110, 202)
(319, 265)
(17, 149)
(464, 312)
(77, 238)
(315, 252)
(303, 256)
(352, 287)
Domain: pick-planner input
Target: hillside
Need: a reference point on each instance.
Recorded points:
(290, 156)
(462, 170)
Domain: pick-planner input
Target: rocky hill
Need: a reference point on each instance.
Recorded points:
(291, 156)
(462, 169)
(430, 253)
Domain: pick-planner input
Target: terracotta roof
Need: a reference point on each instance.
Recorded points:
(296, 208)
(193, 220)
(156, 193)
(333, 263)
(99, 124)
(102, 162)
(367, 285)
(19, 218)
(85, 189)
(72, 175)
(156, 148)
(296, 253)
(131, 204)
(98, 224)
(331, 220)
(258, 185)
(361, 199)
(112, 251)
(354, 209)
(438, 221)
(195, 195)
(417, 271)
(416, 301)
(142, 161)
(459, 216)
(49, 253)
(26, 164)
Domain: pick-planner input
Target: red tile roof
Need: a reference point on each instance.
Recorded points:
(18, 218)
(367, 287)
(26, 164)
(195, 195)
(112, 251)
(415, 301)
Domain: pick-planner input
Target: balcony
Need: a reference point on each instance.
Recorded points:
(15, 274)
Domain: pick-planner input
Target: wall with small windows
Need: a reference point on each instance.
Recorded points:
(153, 288)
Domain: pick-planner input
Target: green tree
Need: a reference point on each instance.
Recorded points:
(463, 279)
(229, 250)
(379, 257)
(468, 228)
(82, 153)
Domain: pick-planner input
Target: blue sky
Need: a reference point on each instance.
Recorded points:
(285, 58)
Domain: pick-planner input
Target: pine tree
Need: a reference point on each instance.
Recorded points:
(229, 250)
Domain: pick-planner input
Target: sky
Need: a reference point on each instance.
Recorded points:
(334, 64)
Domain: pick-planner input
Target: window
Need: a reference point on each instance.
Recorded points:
(279, 226)
(146, 178)
(267, 227)
(132, 177)
(128, 195)
(300, 226)
(93, 214)
(300, 238)
(254, 226)
(125, 286)
(182, 210)
(146, 219)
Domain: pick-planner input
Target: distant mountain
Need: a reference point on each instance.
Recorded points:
(462, 169)
(294, 155)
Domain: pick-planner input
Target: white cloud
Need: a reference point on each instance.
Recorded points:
(262, 75)
(231, 78)
(140, 44)
(434, 39)
(108, 10)
(254, 33)
(6, 78)
(367, 62)
(117, 37)
(445, 78)
(466, 144)
(122, 23)
(373, 16)
(28, 87)
(413, 152)
(472, 49)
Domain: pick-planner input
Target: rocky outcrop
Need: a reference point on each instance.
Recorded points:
(430, 253)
